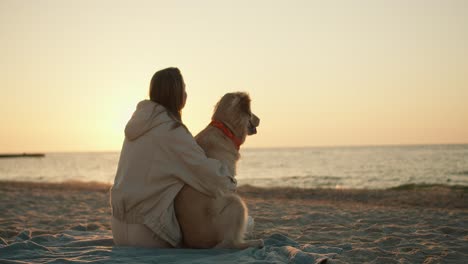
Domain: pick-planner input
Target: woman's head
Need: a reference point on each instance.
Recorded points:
(167, 88)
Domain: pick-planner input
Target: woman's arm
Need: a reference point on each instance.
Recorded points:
(190, 165)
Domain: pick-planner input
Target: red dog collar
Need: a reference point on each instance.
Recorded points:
(226, 131)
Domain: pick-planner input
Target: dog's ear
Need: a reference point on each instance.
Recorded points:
(235, 99)
(228, 101)
(244, 103)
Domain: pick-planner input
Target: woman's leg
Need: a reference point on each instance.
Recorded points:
(136, 235)
(119, 232)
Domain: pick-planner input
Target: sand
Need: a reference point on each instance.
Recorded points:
(69, 223)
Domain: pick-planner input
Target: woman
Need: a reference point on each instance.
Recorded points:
(159, 156)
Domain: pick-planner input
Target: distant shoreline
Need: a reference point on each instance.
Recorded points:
(22, 155)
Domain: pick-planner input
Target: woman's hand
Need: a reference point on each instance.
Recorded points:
(233, 184)
(229, 184)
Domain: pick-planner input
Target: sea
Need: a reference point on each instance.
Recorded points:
(356, 167)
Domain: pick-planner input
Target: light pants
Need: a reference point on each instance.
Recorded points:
(135, 235)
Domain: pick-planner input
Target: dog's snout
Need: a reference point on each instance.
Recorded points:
(255, 120)
(253, 124)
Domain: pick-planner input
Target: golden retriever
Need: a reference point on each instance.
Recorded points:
(207, 222)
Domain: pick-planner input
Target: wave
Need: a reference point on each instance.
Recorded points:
(422, 186)
(68, 185)
(296, 177)
(461, 173)
(102, 186)
(420, 195)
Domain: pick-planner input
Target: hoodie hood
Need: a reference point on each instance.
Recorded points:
(147, 115)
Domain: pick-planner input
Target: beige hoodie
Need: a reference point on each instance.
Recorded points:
(155, 162)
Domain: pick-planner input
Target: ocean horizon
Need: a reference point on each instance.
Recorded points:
(336, 167)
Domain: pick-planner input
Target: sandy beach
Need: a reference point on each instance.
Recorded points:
(69, 223)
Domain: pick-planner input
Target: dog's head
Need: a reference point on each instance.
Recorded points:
(234, 111)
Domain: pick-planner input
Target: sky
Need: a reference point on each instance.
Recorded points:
(320, 73)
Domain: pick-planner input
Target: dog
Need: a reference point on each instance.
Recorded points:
(221, 223)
